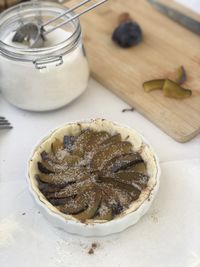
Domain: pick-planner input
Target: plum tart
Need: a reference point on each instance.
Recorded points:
(93, 171)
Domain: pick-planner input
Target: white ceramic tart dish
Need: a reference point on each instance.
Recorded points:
(93, 227)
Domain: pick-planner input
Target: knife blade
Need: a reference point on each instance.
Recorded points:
(184, 20)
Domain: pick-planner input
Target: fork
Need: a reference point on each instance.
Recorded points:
(5, 124)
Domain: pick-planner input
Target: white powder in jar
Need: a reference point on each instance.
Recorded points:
(50, 88)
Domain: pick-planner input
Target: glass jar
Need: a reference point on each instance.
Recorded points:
(45, 78)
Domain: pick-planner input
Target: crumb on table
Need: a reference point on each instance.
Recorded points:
(92, 248)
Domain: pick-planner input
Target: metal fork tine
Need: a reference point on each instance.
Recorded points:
(5, 124)
(5, 127)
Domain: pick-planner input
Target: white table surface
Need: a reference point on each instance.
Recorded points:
(167, 236)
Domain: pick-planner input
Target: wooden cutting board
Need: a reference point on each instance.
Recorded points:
(165, 47)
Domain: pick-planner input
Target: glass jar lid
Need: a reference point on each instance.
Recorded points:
(57, 43)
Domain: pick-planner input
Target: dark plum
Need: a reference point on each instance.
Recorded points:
(127, 34)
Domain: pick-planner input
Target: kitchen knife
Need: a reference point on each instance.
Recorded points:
(189, 23)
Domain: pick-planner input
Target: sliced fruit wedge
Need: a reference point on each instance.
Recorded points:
(81, 142)
(116, 199)
(104, 212)
(139, 167)
(153, 85)
(106, 215)
(74, 206)
(134, 191)
(109, 152)
(173, 90)
(61, 158)
(58, 201)
(71, 160)
(136, 179)
(93, 201)
(56, 146)
(49, 157)
(46, 188)
(97, 139)
(70, 190)
(181, 75)
(112, 140)
(122, 162)
(51, 162)
(45, 167)
(63, 178)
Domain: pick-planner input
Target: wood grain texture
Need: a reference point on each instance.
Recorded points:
(166, 45)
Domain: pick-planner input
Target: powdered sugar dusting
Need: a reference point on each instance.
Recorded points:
(92, 157)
